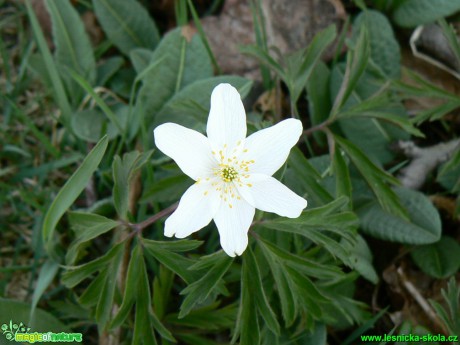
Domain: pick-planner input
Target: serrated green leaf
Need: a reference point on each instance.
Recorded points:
(247, 323)
(303, 264)
(284, 285)
(73, 47)
(173, 246)
(199, 290)
(375, 178)
(411, 13)
(133, 277)
(75, 274)
(300, 74)
(127, 24)
(86, 227)
(361, 259)
(253, 280)
(72, 189)
(422, 227)
(124, 171)
(440, 259)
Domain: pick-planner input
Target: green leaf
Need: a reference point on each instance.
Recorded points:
(46, 276)
(309, 177)
(303, 264)
(422, 227)
(18, 312)
(91, 125)
(377, 107)
(76, 274)
(451, 297)
(411, 13)
(342, 175)
(173, 246)
(190, 106)
(58, 87)
(140, 57)
(127, 24)
(100, 102)
(146, 320)
(357, 60)
(375, 178)
(108, 68)
(73, 47)
(180, 63)
(107, 292)
(361, 259)
(449, 173)
(168, 189)
(284, 284)
(385, 51)
(124, 170)
(300, 73)
(440, 259)
(133, 276)
(253, 280)
(247, 322)
(319, 98)
(86, 226)
(72, 189)
(199, 291)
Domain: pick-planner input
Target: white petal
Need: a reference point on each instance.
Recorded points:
(269, 148)
(227, 119)
(233, 225)
(189, 149)
(268, 194)
(196, 209)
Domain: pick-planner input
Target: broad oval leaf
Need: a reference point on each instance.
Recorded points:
(424, 226)
(417, 12)
(385, 51)
(440, 259)
(127, 24)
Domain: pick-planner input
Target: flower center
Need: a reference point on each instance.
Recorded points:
(228, 173)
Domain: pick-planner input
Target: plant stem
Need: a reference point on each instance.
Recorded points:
(138, 227)
(316, 128)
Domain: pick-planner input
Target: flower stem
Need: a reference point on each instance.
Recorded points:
(138, 227)
(319, 127)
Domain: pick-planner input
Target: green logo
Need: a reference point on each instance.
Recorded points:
(20, 333)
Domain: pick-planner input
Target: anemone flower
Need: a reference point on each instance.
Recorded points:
(233, 173)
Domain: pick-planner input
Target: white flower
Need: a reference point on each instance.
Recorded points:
(232, 172)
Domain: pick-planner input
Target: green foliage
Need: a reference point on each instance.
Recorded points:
(127, 24)
(299, 277)
(451, 315)
(411, 13)
(440, 259)
(73, 47)
(72, 189)
(424, 226)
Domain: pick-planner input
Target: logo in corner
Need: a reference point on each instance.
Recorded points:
(20, 333)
